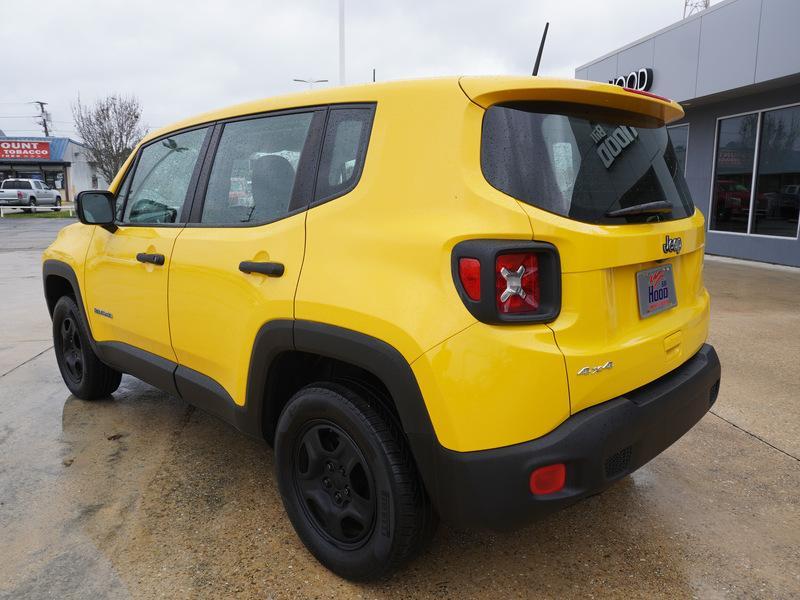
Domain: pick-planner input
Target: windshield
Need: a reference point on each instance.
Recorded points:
(583, 162)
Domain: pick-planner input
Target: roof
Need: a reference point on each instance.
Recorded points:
(476, 88)
(58, 147)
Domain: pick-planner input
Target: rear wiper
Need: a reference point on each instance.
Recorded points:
(648, 208)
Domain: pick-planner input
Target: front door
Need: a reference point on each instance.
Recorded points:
(237, 266)
(126, 270)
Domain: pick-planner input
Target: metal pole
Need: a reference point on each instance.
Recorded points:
(341, 43)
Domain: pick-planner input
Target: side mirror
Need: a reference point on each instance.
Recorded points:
(96, 207)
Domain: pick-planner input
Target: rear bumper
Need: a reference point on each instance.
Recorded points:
(490, 488)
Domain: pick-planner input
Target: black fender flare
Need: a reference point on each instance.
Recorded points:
(52, 267)
(369, 353)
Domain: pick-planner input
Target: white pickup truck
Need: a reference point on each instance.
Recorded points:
(28, 193)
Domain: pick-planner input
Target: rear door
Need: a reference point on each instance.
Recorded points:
(126, 269)
(604, 186)
(236, 265)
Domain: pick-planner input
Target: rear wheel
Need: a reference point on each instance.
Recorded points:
(57, 205)
(85, 375)
(31, 205)
(349, 483)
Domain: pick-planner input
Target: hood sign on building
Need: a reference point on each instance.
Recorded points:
(641, 80)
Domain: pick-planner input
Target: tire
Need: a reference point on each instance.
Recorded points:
(85, 375)
(349, 483)
(31, 205)
(57, 204)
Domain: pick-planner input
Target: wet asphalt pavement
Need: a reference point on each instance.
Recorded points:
(142, 496)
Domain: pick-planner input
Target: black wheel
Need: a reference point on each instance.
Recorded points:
(85, 375)
(57, 205)
(349, 483)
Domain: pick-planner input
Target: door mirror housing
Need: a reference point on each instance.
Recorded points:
(96, 207)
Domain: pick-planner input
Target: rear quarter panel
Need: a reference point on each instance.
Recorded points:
(378, 258)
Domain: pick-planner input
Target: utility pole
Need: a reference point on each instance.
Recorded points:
(341, 42)
(44, 116)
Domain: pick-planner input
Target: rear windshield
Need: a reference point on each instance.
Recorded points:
(16, 185)
(583, 162)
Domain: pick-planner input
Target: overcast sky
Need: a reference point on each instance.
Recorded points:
(182, 58)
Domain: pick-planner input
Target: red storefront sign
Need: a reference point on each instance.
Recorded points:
(25, 150)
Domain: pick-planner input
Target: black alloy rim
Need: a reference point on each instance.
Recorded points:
(71, 349)
(334, 484)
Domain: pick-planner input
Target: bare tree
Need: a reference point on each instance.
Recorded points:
(110, 128)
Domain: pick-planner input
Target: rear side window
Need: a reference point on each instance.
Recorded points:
(583, 162)
(343, 151)
(255, 168)
(16, 185)
(161, 180)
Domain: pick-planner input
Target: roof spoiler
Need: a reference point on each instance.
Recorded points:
(486, 91)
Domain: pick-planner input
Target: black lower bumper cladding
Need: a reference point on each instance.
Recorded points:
(599, 445)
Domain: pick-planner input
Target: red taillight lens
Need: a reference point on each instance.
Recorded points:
(549, 479)
(517, 283)
(20, 195)
(469, 272)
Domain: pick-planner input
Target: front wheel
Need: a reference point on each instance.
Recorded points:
(57, 204)
(86, 376)
(349, 483)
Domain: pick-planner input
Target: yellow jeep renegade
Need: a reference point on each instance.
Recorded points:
(475, 298)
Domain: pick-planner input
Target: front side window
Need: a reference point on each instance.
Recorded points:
(584, 163)
(343, 151)
(255, 168)
(160, 183)
(122, 194)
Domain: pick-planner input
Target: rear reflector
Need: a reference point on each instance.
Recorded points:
(549, 479)
(469, 272)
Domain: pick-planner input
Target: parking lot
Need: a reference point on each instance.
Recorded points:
(144, 496)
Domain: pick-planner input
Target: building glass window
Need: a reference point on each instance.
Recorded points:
(778, 183)
(733, 173)
(679, 136)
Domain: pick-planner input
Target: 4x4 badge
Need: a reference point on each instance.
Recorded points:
(597, 369)
(672, 245)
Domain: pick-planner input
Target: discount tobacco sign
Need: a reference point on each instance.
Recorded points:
(25, 150)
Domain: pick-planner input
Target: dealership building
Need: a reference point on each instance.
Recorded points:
(735, 68)
(62, 163)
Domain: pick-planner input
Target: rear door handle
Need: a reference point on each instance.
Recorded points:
(270, 269)
(156, 259)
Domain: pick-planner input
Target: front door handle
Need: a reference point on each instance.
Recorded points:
(270, 269)
(156, 259)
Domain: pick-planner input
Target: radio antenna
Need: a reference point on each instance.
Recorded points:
(541, 47)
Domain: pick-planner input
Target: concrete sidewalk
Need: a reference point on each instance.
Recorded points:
(143, 496)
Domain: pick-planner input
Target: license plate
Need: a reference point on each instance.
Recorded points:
(656, 290)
